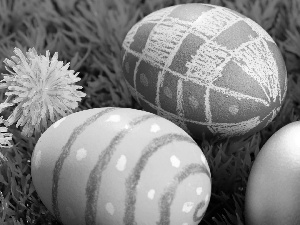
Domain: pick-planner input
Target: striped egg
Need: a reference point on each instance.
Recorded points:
(207, 68)
(116, 166)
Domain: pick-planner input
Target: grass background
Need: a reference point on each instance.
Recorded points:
(89, 34)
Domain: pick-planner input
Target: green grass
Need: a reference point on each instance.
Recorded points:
(89, 34)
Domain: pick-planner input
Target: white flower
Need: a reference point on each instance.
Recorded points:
(4, 137)
(41, 89)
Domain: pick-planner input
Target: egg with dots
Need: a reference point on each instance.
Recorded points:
(273, 188)
(210, 70)
(118, 166)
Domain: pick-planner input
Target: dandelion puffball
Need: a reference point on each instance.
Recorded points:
(42, 88)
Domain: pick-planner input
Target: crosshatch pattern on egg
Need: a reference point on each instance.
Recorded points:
(205, 67)
(121, 166)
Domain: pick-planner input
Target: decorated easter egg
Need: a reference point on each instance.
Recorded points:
(273, 188)
(118, 166)
(207, 68)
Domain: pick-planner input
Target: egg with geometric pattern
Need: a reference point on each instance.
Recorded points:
(210, 70)
(118, 166)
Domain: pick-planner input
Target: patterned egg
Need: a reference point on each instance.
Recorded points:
(206, 68)
(118, 166)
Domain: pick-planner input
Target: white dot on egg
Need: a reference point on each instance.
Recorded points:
(187, 207)
(193, 102)
(121, 164)
(175, 161)
(126, 126)
(199, 190)
(110, 208)
(81, 154)
(114, 118)
(151, 194)
(203, 159)
(154, 128)
(168, 92)
(38, 159)
(233, 109)
(144, 80)
(206, 198)
(70, 212)
(57, 123)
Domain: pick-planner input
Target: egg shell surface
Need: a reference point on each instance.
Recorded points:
(118, 166)
(273, 188)
(207, 68)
